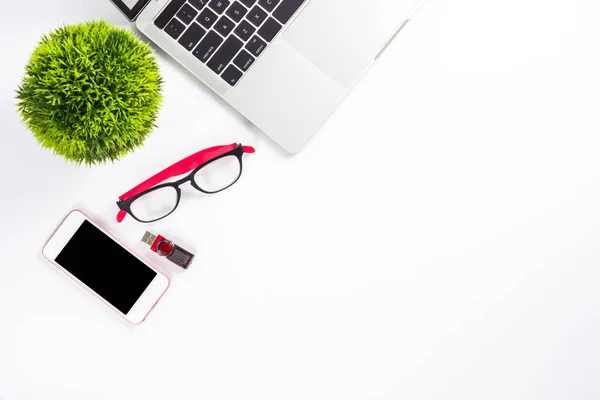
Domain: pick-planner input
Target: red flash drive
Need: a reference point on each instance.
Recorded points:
(165, 248)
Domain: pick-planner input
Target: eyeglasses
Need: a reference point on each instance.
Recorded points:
(213, 170)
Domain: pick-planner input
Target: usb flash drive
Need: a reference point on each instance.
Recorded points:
(165, 248)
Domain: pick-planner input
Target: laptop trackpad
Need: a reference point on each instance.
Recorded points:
(342, 37)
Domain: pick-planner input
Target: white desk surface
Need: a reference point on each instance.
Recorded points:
(439, 239)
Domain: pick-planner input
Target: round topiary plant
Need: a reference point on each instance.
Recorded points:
(91, 92)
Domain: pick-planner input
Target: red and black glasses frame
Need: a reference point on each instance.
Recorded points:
(194, 163)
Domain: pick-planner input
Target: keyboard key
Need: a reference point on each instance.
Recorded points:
(168, 13)
(237, 11)
(232, 75)
(187, 14)
(269, 5)
(192, 36)
(225, 54)
(199, 4)
(248, 3)
(270, 29)
(287, 9)
(245, 30)
(224, 26)
(244, 60)
(207, 18)
(207, 46)
(219, 5)
(175, 28)
(256, 46)
(257, 16)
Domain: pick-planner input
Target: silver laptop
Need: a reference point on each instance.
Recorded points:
(285, 65)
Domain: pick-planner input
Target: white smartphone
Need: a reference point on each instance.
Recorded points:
(103, 266)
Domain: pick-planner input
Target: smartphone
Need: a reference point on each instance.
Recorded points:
(98, 262)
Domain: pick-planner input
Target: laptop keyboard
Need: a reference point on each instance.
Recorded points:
(226, 35)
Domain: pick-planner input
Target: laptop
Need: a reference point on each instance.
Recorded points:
(286, 65)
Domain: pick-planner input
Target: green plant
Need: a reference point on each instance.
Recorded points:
(91, 92)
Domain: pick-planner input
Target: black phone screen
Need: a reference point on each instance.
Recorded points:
(105, 267)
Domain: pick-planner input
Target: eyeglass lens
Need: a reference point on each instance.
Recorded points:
(219, 174)
(155, 204)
